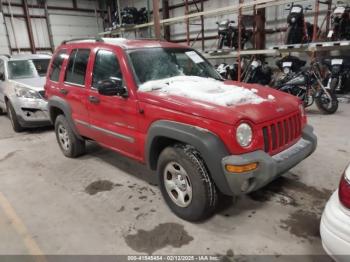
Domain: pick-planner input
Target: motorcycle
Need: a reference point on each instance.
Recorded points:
(228, 35)
(130, 16)
(338, 79)
(288, 65)
(258, 72)
(308, 86)
(298, 30)
(340, 29)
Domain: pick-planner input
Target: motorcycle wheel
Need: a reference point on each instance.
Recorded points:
(221, 42)
(286, 40)
(326, 106)
(293, 36)
(334, 85)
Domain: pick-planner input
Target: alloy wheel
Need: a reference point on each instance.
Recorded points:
(177, 184)
(63, 137)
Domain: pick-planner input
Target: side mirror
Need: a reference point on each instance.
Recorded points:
(2, 77)
(112, 87)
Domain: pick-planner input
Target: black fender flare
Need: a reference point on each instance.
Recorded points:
(210, 146)
(57, 102)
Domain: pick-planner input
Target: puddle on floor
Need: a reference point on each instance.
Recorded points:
(99, 186)
(166, 234)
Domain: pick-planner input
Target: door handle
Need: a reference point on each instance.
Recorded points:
(63, 91)
(94, 99)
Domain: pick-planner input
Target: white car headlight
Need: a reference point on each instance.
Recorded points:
(25, 92)
(302, 110)
(244, 135)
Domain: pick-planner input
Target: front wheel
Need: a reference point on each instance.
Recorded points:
(325, 105)
(221, 42)
(334, 84)
(185, 183)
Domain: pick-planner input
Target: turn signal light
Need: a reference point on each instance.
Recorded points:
(344, 188)
(241, 168)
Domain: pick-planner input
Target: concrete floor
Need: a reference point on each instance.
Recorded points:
(48, 205)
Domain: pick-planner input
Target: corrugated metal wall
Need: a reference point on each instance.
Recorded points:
(64, 24)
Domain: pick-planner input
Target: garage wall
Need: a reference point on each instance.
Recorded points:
(64, 24)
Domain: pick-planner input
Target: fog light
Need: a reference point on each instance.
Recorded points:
(241, 168)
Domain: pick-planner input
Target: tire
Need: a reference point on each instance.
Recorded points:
(182, 166)
(287, 40)
(327, 108)
(13, 118)
(334, 84)
(293, 36)
(71, 146)
(221, 42)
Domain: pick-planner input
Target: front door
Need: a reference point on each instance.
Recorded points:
(113, 119)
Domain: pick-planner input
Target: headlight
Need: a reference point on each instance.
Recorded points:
(286, 70)
(302, 110)
(25, 92)
(293, 20)
(244, 135)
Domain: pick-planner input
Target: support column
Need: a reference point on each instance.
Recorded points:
(166, 15)
(49, 29)
(29, 26)
(260, 36)
(156, 19)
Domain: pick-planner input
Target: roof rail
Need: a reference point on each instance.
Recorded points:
(97, 39)
(7, 55)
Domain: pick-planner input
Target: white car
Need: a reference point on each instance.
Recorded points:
(335, 222)
(22, 79)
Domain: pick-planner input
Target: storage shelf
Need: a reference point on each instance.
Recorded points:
(277, 50)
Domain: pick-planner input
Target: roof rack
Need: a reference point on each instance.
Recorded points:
(97, 39)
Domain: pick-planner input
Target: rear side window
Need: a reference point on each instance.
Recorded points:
(106, 67)
(77, 65)
(57, 65)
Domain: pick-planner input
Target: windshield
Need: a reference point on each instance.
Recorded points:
(160, 63)
(18, 69)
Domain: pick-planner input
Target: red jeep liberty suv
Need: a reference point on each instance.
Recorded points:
(163, 104)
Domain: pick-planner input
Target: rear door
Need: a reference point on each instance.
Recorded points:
(73, 88)
(113, 119)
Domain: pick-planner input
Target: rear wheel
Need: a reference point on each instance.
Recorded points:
(69, 143)
(185, 183)
(13, 118)
(326, 105)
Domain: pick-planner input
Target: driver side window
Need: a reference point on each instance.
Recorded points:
(106, 67)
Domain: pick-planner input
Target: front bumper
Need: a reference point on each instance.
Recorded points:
(335, 230)
(269, 167)
(31, 112)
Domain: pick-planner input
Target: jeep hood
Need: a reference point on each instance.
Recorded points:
(227, 102)
(35, 83)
